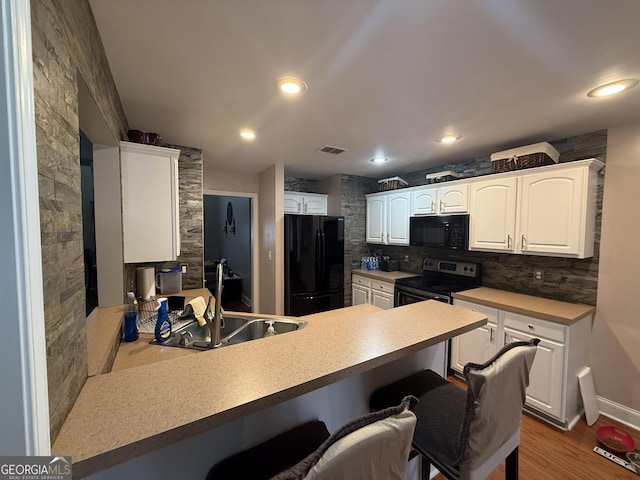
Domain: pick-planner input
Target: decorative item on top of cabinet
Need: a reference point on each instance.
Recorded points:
(563, 351)
(150, 199)
(372, 291)
(305, 203)
(388, 218)
(543, 211)
(440, 200)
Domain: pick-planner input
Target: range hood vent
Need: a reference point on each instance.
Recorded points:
(331, 149)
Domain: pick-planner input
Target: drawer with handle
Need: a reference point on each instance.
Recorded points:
(535, 327)
(363, 281)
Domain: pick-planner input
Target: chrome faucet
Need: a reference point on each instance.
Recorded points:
(215, 321)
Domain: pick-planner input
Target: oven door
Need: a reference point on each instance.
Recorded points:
(406, 295)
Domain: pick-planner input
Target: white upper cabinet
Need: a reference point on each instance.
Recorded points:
(454, 198)
(376, 218)
(305, 203)
(424, 201)
(440, 200)
(553, 213)
(548, 212)
(388, 218)
(150, 203)
(492, 216)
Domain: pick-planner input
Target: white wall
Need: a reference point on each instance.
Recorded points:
(616, 331)
(332, 186)
(226, 181)
(271, 241)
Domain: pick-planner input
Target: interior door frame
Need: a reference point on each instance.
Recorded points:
(255, 267)
(23, 362)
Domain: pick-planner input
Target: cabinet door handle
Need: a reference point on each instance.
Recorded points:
(508, 242)
(523, 243)
(490, 334)
(299, 205)
(530, 327)
(442, 206)
(305, 208)
(387, 238)
(506, 339)
(433, 207)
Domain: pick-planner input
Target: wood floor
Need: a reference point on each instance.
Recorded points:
(547, 452)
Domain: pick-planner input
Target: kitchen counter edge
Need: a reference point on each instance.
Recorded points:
(102, 430)
(555, 311)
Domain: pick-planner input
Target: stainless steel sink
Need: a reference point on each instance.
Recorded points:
(259, 328)
(236, 329)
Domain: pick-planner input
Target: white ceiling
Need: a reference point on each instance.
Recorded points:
(385, 77)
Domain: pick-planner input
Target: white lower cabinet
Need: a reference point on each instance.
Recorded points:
(477, 345)
(359, 294)
(553, 385)
(382, 294)
(374, 292)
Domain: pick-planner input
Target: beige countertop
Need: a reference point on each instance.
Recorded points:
(380, 275)
(104, 329)
(544, 308)
(105, 426)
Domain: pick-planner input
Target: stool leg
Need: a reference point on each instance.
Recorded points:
(425, 468)
(511, 465)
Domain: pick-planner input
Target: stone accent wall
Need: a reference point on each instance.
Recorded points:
(190, 167)
(354, 210)
(565, 279)
(65, 44)
(296, 184)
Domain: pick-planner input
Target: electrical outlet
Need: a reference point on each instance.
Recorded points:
(406, 258)
(184, 269)
(538, 275)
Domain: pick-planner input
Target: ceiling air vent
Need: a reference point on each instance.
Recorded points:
(330, 149)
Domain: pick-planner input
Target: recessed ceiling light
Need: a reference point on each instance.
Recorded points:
(449, 138)
(612, 88)
(378, 160)
(247, 134)
(291, 86)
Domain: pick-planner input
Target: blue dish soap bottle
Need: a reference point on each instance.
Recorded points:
(163, 324)
(131, 318)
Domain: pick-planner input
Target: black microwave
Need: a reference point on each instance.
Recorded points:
(441, 231)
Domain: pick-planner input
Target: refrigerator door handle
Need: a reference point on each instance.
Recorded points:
(315, 297)
(323, 254)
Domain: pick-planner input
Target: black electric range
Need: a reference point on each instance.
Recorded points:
(439, 279)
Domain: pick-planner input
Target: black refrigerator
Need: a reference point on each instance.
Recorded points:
(313, 264)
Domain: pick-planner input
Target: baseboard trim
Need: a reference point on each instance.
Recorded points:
(619, 413)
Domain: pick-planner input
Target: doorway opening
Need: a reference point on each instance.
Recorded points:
(228, 233)
(88, 223)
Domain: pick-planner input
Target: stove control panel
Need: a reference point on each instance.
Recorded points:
(445, 266)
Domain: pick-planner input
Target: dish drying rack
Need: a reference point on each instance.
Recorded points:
(148, 316)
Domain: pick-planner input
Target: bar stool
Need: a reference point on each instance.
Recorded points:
(372, 447)
(272, 456)
(466, 435)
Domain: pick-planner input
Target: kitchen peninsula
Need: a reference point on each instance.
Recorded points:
(136, 411)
